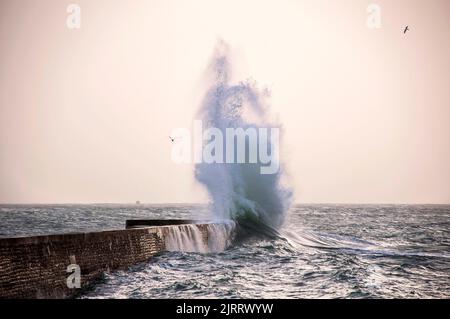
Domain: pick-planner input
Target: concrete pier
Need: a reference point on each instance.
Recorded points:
(37, 267)
(133, 223)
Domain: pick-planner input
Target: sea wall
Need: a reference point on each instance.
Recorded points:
(36, 267)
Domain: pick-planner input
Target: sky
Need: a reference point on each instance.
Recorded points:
(85, 113)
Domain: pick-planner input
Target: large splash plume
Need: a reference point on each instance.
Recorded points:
(239, 191)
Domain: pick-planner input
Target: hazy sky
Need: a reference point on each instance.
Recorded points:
(85, 113)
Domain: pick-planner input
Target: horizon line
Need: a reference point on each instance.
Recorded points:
(206, 203)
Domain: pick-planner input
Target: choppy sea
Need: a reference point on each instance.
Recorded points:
(323, 251)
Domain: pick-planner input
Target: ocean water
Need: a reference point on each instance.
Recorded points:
(323, 251)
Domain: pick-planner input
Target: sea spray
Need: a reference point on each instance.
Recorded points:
(216, 237)
(220, 235)
(188, 238)
(239, 191)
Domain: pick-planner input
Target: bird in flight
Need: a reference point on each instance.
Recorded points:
(173, 138)
(406, 29)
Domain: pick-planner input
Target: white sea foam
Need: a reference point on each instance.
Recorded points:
(239, 191)
(190, 238)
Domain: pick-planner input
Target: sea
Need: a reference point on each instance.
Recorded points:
(321, 251)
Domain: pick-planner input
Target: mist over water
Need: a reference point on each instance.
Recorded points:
(239, 191)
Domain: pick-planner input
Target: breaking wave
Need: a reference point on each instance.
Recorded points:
(216, 237)
(239, 191)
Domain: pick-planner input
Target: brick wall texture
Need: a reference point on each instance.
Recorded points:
(36, 267)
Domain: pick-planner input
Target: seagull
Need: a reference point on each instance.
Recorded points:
(406, 29)
(172, 138)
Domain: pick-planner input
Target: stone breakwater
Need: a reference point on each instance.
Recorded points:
(48, 266)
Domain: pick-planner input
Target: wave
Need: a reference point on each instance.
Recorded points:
(239, 191)
(348, 244)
